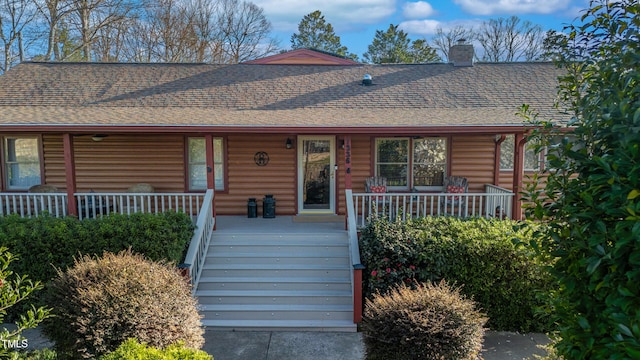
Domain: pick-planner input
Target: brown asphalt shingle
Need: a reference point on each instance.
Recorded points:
(246, 95)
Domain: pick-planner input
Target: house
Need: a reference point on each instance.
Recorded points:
(306, 127)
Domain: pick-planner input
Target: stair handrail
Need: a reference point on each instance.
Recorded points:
(352, 229)
(196, 254)
(354, 250)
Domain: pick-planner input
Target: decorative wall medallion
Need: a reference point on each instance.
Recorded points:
(261, 158)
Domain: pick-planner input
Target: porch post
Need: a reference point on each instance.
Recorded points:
(347, 162)
(518, 173)
(208, 140)
(357, 293)
(70, 173)
(211, 178)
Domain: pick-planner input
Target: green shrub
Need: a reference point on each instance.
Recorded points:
(45, 243)
(477, 254)
(432, 321)
(133, 350)
(591, 200)
(101, 302)
(44, 354)
(14, 289)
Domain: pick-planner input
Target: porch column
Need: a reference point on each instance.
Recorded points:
(211, 182)
(211, 178)
(70, 173)
(518, 173)
(347, 162)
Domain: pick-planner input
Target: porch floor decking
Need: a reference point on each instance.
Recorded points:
(280, 224)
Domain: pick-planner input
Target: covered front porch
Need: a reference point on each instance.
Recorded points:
(493, 202)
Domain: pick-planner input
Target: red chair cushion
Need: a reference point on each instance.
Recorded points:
(452, 189)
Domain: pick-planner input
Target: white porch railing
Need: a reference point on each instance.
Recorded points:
(197, 252)
(94, 204)
(403, 206)
(33, 204)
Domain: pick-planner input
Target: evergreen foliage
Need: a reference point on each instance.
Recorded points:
(592, 195)
(314, 32)
(394, 47)
(479, 255)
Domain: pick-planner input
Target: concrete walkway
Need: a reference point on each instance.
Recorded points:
(348, 346)
(265, 345)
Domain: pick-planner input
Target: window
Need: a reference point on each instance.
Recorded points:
(429, 162)
(408, 163)
(531, 159)
(22, 162)
(198, 163)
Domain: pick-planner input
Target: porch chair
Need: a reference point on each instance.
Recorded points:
(137, 202)
(43, 189)
(54, 205)
(374, 184)
(377, 185)
(455, 185)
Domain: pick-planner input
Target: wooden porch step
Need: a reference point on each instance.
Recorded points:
(277, 281)
(284, 283)
(280, 325)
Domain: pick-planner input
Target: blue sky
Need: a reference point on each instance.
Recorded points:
(356, 21)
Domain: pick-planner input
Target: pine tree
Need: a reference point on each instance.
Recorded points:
(315, 33)
(394, 47)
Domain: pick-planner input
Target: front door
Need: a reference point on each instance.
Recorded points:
(316, 174)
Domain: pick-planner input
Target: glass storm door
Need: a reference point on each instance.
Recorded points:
(316, 174)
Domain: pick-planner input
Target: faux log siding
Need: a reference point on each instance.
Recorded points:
(248, 180)
(118, 161)
(360, 167)
(53, 158)
(473, 157)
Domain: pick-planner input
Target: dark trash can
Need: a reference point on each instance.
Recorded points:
(268, 207)
(252, 208)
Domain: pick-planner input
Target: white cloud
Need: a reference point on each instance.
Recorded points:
(417, 10)
(341, 14)
(426, 28)
(512, 7)
(420, 27)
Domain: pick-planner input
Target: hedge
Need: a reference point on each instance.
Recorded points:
(507, 282)
(45, 243)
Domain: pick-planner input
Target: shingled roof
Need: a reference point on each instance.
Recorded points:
(273, 97)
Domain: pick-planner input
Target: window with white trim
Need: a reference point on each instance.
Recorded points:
(21, 162)
(409, 163)
(197, 167)
(531, 159)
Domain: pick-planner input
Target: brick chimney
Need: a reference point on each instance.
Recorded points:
(461, 54)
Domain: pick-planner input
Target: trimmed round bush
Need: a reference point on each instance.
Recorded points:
(101, 302)
(432, 321)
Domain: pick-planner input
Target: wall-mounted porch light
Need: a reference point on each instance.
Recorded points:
(289, 143)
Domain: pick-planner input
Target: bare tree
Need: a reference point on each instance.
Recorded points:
(15, 18)
(510, 39)
(442, 41)
(92, 16)
(245, 33)
(53, 12)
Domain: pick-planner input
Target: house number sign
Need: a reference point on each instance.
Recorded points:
(261, 158)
